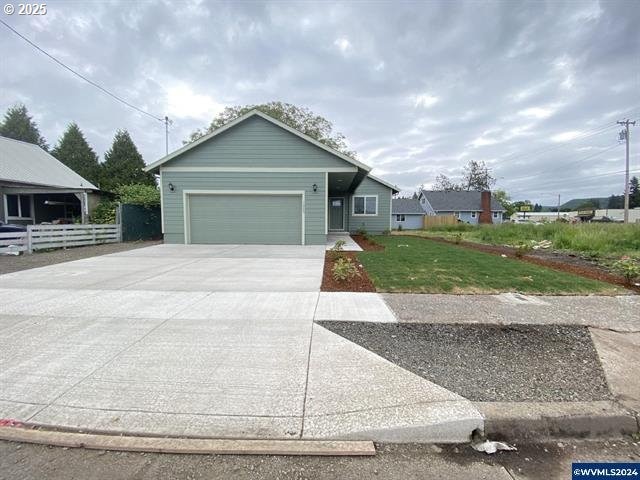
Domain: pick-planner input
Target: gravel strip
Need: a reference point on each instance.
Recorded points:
(15, 263)
(487, 363)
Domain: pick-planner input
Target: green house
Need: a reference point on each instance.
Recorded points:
(258, 181)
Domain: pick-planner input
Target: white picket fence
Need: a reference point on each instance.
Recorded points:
(38, 237)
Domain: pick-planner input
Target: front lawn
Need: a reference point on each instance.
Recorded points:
(410, 264)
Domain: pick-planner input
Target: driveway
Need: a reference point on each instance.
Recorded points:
(207, 340)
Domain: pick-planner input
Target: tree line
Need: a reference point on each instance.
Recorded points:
(123, 164)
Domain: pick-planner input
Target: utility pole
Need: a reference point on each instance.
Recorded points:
(166, 135)
(625, 133)
(558, 206)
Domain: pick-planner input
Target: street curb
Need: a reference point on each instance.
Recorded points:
(534, 421)
(198, 446)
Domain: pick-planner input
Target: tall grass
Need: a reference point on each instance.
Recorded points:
(596, 239)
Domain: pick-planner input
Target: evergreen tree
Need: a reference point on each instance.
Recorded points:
(74, 151)
(19, 125)
(123, 164)
(634, 193)
(616, 201)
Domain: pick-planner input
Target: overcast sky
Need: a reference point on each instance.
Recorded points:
(418, 88)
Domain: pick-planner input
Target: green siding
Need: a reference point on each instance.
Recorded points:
(379, 222)
(256, 143)
(275, 219)
(314, 201)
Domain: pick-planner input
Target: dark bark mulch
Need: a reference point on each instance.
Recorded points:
(367, 244)
(357, 284)
(561, 262)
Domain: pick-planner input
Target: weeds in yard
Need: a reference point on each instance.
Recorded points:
(344, 269)
(522, 249)
(337, 251)
(628, 268)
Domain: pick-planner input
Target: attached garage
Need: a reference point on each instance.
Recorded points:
(244, 217)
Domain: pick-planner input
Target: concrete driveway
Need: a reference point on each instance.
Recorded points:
(207, 340)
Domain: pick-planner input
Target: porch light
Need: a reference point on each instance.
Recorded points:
(315, 187)
(171, 187)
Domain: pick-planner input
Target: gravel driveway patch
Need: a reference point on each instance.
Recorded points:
(484, 363)
(11, 263)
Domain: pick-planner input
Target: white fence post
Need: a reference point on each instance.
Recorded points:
(29, 239)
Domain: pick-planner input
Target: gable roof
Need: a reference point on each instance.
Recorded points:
(23, 162)
(384, 182)
(155, 165)
(406, 205)
(458, 201)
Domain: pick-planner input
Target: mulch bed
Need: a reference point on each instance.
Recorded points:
(367, 244)
(570, 266)
(357, 284)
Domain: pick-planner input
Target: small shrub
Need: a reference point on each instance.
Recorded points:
(522, 249)
(457, 238)
(628, 268)
(386, 231)
(344, 269)
(337, 251)
(105, 212)
(399, 228)
(362, 231)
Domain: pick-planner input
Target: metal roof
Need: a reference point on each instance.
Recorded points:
(407, 206)
(458, 201)
(23, 162)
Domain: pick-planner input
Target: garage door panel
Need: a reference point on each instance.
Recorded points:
(246, 219)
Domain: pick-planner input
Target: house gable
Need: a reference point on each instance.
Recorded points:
(255, 141)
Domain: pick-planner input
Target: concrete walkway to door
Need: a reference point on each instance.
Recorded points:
(207, 340)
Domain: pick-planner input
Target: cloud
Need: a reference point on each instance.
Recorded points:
(418, 88)
(565, 136)
(425, 100)
(183, 103)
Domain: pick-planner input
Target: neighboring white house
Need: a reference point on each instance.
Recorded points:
(37, 188)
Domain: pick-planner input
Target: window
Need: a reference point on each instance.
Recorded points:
(365, 205)
(473, 214)
(495, 214)
(400, 218)
(18, 206)
(456, 214)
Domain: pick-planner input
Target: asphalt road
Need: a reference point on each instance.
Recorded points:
(548, 461)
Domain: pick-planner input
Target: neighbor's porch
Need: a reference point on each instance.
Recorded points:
(25, 205)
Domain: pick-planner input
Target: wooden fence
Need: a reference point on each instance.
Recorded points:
(437, 220)
(38, 237)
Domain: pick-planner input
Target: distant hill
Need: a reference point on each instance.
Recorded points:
(603, 202)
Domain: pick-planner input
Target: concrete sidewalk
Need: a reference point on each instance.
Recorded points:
(619, 313)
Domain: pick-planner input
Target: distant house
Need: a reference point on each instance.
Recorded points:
(37, 188)
(470, 207)
(407, 213)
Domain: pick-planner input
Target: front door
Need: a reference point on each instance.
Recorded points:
(336, 213)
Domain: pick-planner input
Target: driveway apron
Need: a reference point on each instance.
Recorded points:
(212, 340)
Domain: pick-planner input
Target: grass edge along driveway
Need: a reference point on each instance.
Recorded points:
(418, 265)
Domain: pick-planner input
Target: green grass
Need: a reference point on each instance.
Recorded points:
(417, 265)
(597, 240)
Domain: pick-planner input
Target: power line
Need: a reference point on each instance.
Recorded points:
(91, 82)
